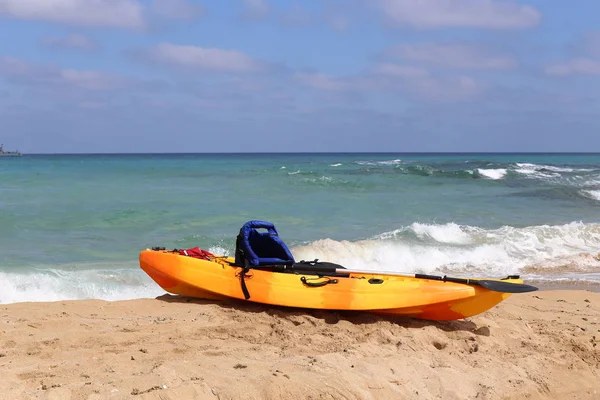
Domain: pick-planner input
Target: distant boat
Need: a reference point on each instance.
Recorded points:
(8, 153)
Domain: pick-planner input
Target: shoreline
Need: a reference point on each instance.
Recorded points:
(539, 345)
(541, 285)
(550, 286)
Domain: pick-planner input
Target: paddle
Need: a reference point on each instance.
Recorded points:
(496, 286)
(330, 268)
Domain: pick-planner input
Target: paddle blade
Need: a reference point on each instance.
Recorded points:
(505, 287)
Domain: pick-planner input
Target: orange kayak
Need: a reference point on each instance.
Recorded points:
(220, 278)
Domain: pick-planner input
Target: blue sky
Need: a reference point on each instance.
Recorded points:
(276, 75)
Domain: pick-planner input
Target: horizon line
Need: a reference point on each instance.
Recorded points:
(316, 152)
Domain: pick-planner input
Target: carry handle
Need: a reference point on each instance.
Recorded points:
(327, 281)
(269, 226)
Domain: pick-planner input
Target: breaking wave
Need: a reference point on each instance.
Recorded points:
(494, 174)
(385, 162)
(457, 249)
(592, 194)
(54, 284)
(569, 252)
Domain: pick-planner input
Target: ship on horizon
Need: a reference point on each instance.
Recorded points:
(8, 153)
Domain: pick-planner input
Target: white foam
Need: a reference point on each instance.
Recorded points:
(547, 171)
(557, 169)
(218, 250)
(555, 251)
(403, 257)
(386, 162)
(321, 179)
(592, 194)
(336, 165)
(534, 171)
(448, 233)
(462, 249)
(55, 285)
(494, 174)
(294, 173)
(549, 167)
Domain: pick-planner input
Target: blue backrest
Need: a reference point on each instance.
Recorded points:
(261, 248)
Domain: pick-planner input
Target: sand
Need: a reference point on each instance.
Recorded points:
(540, 345)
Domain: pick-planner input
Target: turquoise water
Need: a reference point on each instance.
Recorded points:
(72, 226)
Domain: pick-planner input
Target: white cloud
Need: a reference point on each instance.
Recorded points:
(115, 13)
(491, 14)
(397, 78)
(461, 56)
(22, 72)
(88, 80)
(177, 9)
(322, 81)
(256, 8)
(585, 61)
(13, 66)
(73, 41)
(578, 66)
(424, 85)
(447, 89)
(403, 71)
(199, 58)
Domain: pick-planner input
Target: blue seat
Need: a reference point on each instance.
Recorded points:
(255, 248)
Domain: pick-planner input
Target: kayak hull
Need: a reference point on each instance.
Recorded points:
(387, 294)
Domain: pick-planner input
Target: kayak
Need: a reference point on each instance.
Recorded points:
(273, 277)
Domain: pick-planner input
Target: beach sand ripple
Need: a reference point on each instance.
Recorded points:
(542, 345)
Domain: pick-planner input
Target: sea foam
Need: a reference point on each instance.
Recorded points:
(422, 248)
(53, 284)
(592, 194)
(494, 174)
(554, 252)
(384, 162)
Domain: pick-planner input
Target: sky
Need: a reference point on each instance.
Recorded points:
(128, 76)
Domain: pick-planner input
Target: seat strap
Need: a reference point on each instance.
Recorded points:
(243, 273)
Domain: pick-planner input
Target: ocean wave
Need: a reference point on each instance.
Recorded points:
(545, 168)
(536, 171)
(516, 173)
(561, 192)
(573, 176)
(494, 174)
(589, 281)
(543, 252)
(317, 179)
(374, 163)
(422, 170)
(450, 233)
(591, 194)
(54, 284)
(426, 170)
(579, 176)
(554, 168)
(576, 263)
(452, 248)
(328, 181)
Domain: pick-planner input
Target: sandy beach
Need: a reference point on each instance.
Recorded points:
(540, 345)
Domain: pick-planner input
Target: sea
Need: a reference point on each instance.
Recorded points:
(72, 226)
